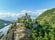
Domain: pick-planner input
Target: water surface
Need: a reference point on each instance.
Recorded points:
(5, 29)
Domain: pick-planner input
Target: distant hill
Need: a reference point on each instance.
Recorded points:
(4, 23)
(47, 17)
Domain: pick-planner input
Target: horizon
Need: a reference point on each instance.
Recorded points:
(15, 8)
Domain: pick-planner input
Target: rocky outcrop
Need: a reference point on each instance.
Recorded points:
(17, 32)
(21, 33)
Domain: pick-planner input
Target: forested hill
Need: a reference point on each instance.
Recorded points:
(47, 17)
(47, 29)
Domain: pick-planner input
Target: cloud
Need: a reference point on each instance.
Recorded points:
(36, 13)
(33, 14)
(14, 16)
(25, 11)
(8, 16)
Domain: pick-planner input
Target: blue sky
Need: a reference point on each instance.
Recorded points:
(17, 6)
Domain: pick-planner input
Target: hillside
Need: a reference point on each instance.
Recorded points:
(46, 30)
(47, 17)
(4, 23)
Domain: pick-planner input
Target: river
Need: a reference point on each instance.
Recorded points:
(5, 29)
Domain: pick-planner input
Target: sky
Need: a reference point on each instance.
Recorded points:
(15, 8)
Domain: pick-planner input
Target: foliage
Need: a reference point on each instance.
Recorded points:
(47, 29)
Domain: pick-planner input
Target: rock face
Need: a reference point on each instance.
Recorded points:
(18, 33)
(21, 33)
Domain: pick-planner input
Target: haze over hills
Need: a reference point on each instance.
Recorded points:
(10, 16)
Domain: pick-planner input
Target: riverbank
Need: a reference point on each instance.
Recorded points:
(4, 30)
